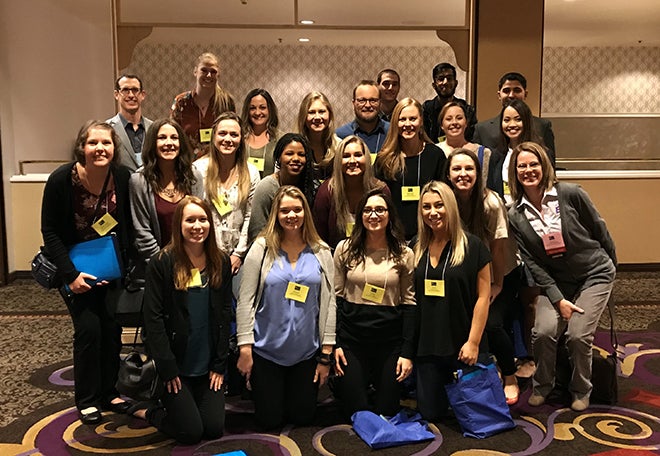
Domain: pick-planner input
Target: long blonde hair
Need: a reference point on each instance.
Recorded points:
(457, 235)
(327, 137)
(390, 158)
(273, 231)
(222, 100)
(337, 184)
(213, 172)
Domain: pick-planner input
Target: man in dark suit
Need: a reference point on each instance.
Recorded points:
(129, 123)
(444, 83)
(487, 133)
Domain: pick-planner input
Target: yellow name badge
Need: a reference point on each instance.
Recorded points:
(296, 292)
(410, 193)
(105, 224)
(196, 279)
(507, 190)
(205, 134)
(373, 156)
(434, 287)
(349, 228)
(222, 205)
(258, 162)
(373, 293)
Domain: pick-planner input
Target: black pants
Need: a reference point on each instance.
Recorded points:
(196, 412)
(372, 365)
(96, 346)
(499, 326)
(283, 394)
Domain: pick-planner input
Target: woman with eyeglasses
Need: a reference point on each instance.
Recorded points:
(260, 120)
(566, 245)
(407, 161)
(286, 314)
(197, 109)
(316, 124)
(376, 309)
(338, 197)
(452, 285)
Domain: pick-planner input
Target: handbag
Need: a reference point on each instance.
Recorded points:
(478, 401)
(138, 377)
(125, 301)
(379, 432)
(44, 271)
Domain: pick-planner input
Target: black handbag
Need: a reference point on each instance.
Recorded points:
(44, 271)
(138, 377)
(125, 301)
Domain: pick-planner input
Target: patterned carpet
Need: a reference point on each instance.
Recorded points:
(37, 414)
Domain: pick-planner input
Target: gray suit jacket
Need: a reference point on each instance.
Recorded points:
(487, 133)
(127, 156)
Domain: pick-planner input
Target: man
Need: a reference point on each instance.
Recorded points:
(129, 123)
(367, 124)
(444, 83)
(512, 85)
(389, 84)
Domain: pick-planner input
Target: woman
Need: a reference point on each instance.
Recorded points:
(407, 161)
(260, 120)
(229, 182)
(453, 121)
(484, 215)
(376, 318)
(195, 110)
(286, 314)
(517, 127)
(165, 177)
(337, 198)
(568, 249)
(187, 307)
(452, 285)
(316, 123)
(76, 196)
(292, 160)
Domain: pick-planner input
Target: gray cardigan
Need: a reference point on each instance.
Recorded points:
(143, 211)
(590, 257)
(255, 269)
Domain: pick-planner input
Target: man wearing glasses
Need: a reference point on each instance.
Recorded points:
(444, 83)
(367, 124)
(129, 123)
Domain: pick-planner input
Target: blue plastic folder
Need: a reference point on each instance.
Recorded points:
(98, 257)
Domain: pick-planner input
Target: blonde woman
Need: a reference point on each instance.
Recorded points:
(316, 124)
(338, 197)
(407, 161)
(452, 286)
(229, 183)
(286, 314)
(195, 110)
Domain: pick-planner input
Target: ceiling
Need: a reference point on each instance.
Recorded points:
(406, 23)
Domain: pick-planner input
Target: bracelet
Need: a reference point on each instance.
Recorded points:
(325, 359)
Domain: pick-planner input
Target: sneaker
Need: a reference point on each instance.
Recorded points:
(580, 405)
(535, 400)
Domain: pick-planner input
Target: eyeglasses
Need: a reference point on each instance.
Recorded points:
(125, 91)
(524, 166)
(379, 211)
(364, 101)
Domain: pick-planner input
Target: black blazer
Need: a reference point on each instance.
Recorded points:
(57, 221)
(167, 320)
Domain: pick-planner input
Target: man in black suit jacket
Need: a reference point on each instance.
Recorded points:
(487, 133)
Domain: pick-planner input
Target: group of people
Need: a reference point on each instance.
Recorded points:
(373, 251)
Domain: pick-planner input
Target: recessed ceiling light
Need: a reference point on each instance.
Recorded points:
(303, 40)
(306, 22)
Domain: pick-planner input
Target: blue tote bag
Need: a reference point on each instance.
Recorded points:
(379, 432)
(478, 401)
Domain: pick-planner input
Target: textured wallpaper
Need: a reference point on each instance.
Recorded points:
(287, 72)
(624, 80)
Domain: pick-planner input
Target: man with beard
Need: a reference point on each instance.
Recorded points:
(367, 124)
(389, 83)
(129, 123)
(444, 83)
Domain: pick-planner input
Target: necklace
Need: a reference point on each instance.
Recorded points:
(169, 192)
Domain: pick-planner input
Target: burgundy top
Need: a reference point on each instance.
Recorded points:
(165, 211)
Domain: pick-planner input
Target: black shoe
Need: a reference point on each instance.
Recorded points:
(120, 408)
(90, 415)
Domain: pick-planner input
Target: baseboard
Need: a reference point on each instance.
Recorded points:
(19, 275)
(638, 267)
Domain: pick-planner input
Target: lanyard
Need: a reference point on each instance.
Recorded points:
(419, 164)
(444, 269)
(366, 280)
